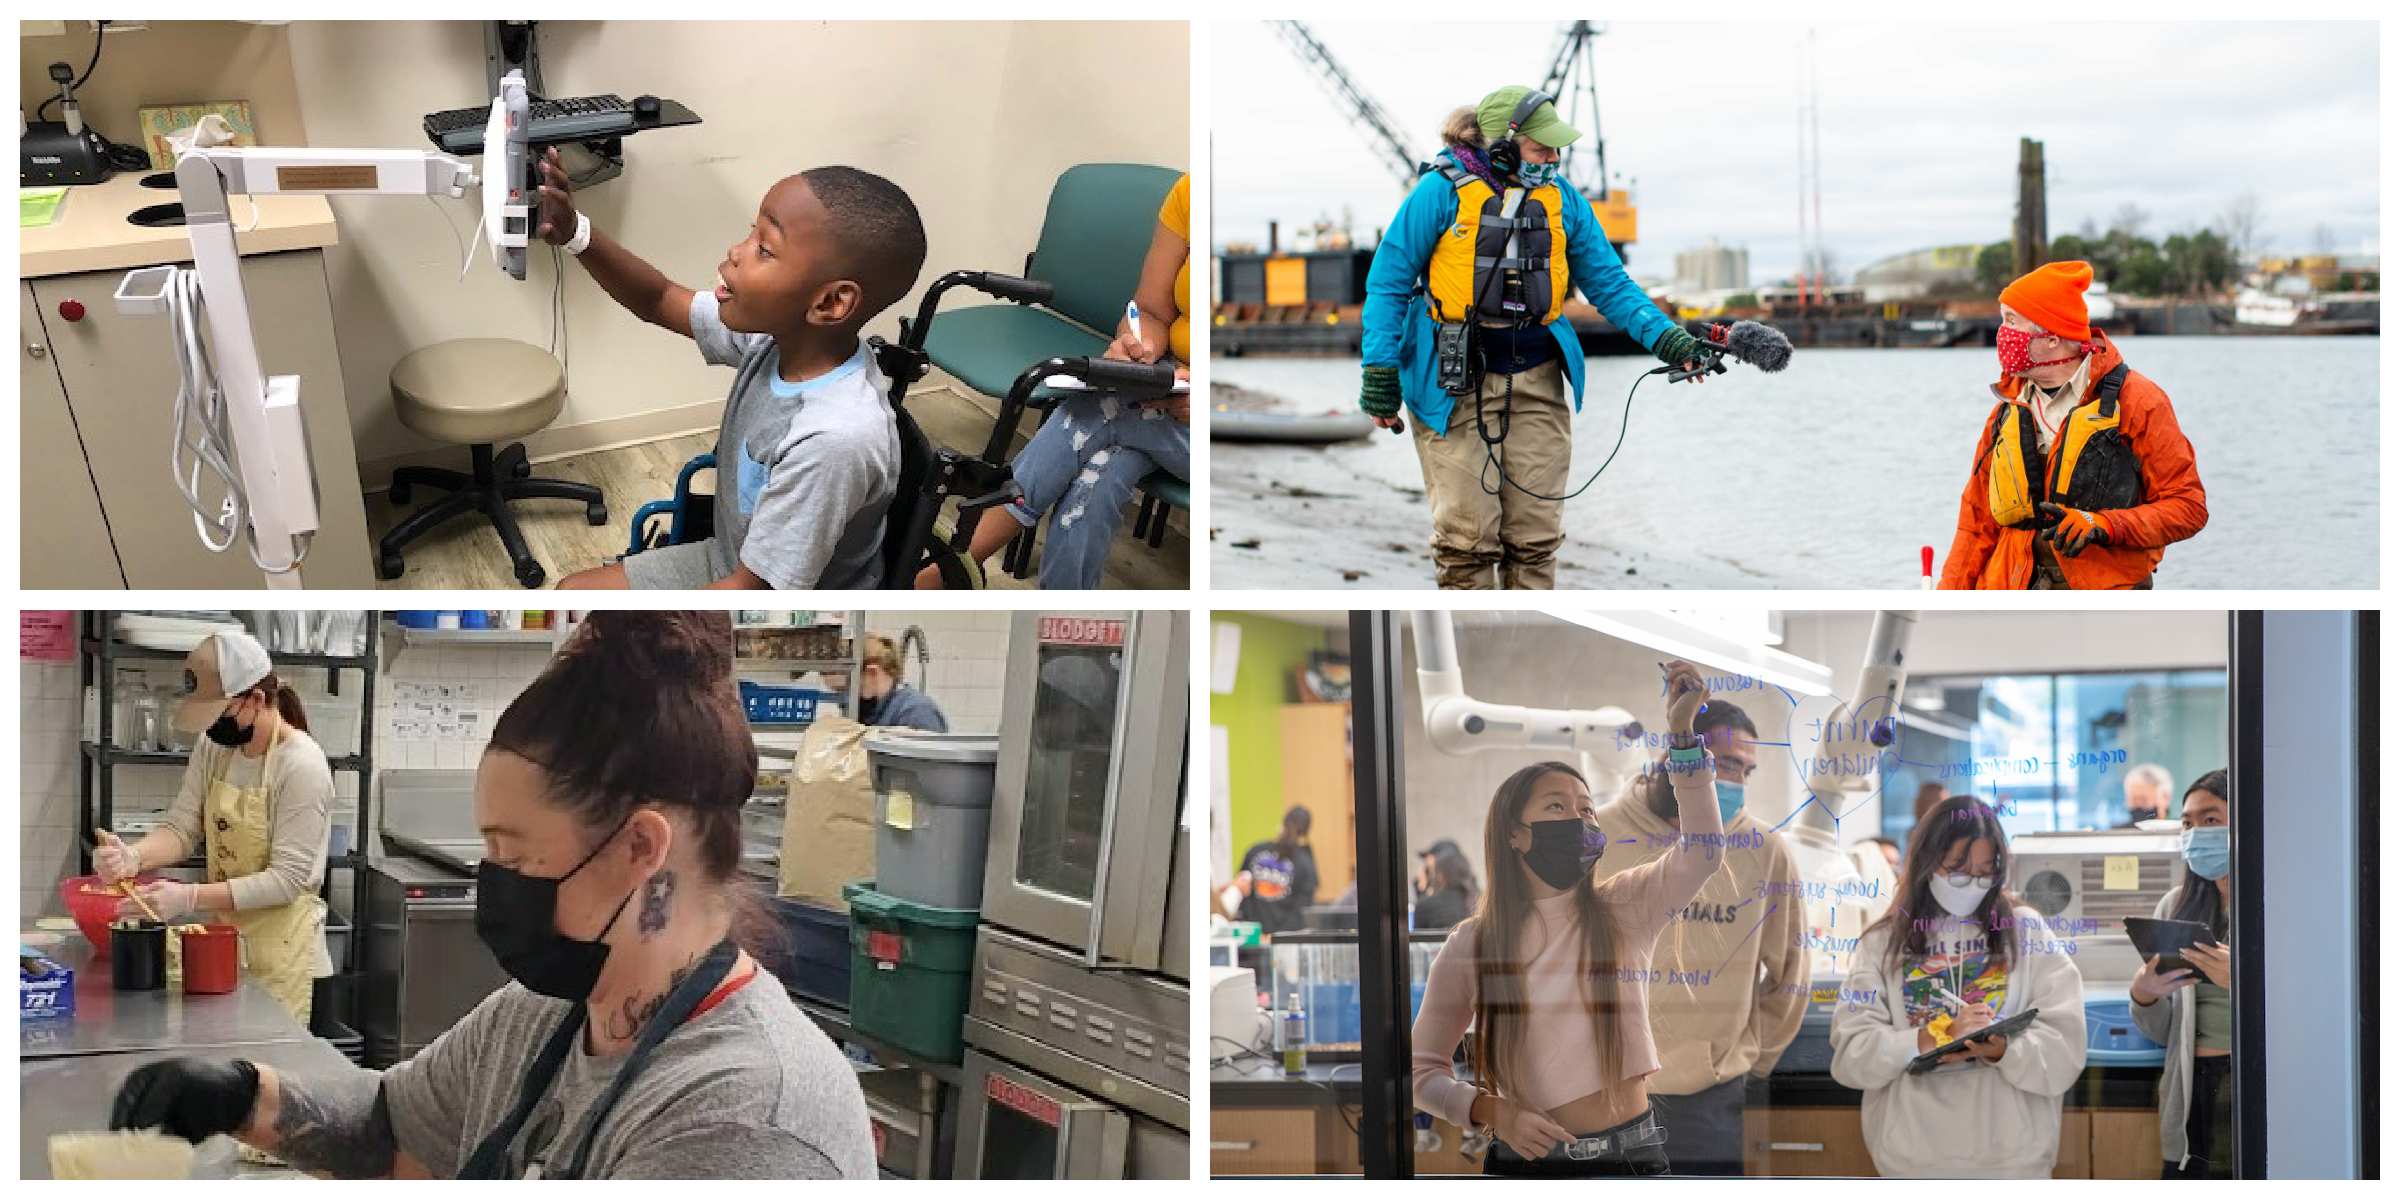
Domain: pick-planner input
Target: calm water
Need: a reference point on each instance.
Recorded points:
(1832, 473)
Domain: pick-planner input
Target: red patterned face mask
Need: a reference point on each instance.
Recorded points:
(2016, 352)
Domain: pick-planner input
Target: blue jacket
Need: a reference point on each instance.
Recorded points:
(1400, 334)
(904, 706)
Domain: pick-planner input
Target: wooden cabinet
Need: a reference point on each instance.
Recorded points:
(62, 540)
(2125, 1143)
(1316, 773)
(1263, 1141)
(116, 377)
(2074, 1146)
(1809, 1142)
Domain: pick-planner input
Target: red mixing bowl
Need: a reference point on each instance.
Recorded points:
(93, 904)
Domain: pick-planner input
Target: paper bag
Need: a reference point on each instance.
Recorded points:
(829, 819)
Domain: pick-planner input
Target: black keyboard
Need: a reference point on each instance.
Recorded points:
(548, 120)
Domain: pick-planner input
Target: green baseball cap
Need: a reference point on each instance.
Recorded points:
(1543, 126)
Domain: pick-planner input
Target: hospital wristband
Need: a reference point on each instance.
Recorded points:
(583, 235)
(1687, 756)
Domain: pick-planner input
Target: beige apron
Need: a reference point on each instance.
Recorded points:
(281, 946)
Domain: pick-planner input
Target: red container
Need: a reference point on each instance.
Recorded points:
(212, 961)
(93, 904)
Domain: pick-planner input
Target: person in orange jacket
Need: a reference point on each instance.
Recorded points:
(2082, 477)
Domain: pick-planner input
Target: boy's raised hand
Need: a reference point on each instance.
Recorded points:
(557, 224)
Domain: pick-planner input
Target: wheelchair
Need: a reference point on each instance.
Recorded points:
(931, 476)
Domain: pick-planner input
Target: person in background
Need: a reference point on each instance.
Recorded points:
(255, 803)
(2192, 1015)
(2082, 478)
(1446, 889)
(1957, 953)
(637, 1037)
(1278, 879)
(884, 700)
(2146, 790)
(1552, 975)
(1929, 793)
(1716, 1035)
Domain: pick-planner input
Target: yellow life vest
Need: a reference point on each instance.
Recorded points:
(1503, 261)
(2091, 467)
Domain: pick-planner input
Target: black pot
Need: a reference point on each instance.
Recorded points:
(137, 956)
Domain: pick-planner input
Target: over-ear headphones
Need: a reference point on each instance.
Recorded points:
(1504, 154)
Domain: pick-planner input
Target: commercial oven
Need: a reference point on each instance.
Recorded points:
(425, 967)
(1086, 835)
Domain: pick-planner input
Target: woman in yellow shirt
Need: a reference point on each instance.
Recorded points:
(1082, 466)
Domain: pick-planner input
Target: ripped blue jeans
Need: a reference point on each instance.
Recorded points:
(1082, 467)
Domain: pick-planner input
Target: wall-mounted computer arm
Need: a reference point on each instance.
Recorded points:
(1460, 724)
(232, 419)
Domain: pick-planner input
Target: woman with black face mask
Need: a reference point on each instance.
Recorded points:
(639, 1040)
(1552, 972)
(2189, 1010)
(254, 804)
(1954, 954)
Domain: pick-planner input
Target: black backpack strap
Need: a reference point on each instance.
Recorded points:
(2110, 385)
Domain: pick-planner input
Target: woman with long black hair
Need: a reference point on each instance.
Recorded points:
(1957, 953)
(1552, 973)
(2192, 1014)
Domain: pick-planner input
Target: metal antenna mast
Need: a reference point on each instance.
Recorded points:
(1573, 80)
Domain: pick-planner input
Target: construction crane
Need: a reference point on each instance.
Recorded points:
(1381, 132)
(1573, 82)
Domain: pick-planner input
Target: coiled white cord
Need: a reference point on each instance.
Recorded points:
(203, 429)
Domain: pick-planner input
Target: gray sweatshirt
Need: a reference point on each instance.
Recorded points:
(1975, 1119)
(2169, 1023)
(750, 1089)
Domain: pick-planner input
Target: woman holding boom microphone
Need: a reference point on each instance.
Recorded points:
(1462, 326)
(1552, 971)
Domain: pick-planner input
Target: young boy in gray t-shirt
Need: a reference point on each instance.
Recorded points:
(808, 458)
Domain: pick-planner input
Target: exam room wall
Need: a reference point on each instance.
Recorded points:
(974, 119)
(177, 62)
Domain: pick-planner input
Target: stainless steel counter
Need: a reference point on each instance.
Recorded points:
(107, 1021)
(73, 1095)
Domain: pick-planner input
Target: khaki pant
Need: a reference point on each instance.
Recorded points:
(1476, 531)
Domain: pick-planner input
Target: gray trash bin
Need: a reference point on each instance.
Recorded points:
(933, 814)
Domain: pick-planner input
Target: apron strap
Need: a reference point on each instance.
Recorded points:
(491, 1155)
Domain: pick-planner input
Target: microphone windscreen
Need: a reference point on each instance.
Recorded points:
(1762, 346)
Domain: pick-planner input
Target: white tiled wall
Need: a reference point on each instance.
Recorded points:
(490, 677)
(48, 712)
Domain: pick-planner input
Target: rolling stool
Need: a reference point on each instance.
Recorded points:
(480, 393)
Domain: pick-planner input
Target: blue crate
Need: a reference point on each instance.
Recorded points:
(768, 704)
(2113, 1040)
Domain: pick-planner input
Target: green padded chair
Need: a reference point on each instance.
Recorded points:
(1161, 495)
(1094, 236)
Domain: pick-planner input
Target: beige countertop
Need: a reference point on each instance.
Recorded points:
(92, 234)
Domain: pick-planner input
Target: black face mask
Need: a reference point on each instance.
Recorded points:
(225, 733)
(516, 915)
(1563, 851)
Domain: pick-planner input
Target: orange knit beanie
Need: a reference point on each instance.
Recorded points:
(2051, 296)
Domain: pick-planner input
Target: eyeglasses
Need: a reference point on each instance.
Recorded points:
(1964, 879)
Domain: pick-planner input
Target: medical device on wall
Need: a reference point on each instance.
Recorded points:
(232, 420)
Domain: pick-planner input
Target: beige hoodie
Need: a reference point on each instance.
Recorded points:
(1741, 931)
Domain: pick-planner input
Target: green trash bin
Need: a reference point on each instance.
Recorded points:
(910, 968)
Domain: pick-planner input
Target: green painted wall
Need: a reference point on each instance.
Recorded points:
(1251, 715)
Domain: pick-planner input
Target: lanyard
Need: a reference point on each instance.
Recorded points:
(492, 1154)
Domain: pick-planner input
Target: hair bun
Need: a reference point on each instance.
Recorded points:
(680, 644)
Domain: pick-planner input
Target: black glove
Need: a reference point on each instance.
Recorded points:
(1379, 391)
(1676, 347)
(192, 1098)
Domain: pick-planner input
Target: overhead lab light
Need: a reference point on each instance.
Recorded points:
(1707, 640)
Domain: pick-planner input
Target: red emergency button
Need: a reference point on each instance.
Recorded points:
(71, 309)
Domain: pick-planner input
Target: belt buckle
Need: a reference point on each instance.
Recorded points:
(1585, 1149)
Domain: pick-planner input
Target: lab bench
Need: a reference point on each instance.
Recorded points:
(1264, 1122)
(98, 508)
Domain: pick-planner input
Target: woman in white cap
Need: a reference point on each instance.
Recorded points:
(254, 799)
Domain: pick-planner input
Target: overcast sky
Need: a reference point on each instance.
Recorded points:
(1919, 127)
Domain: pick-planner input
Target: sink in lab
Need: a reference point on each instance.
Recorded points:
(157, 216)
